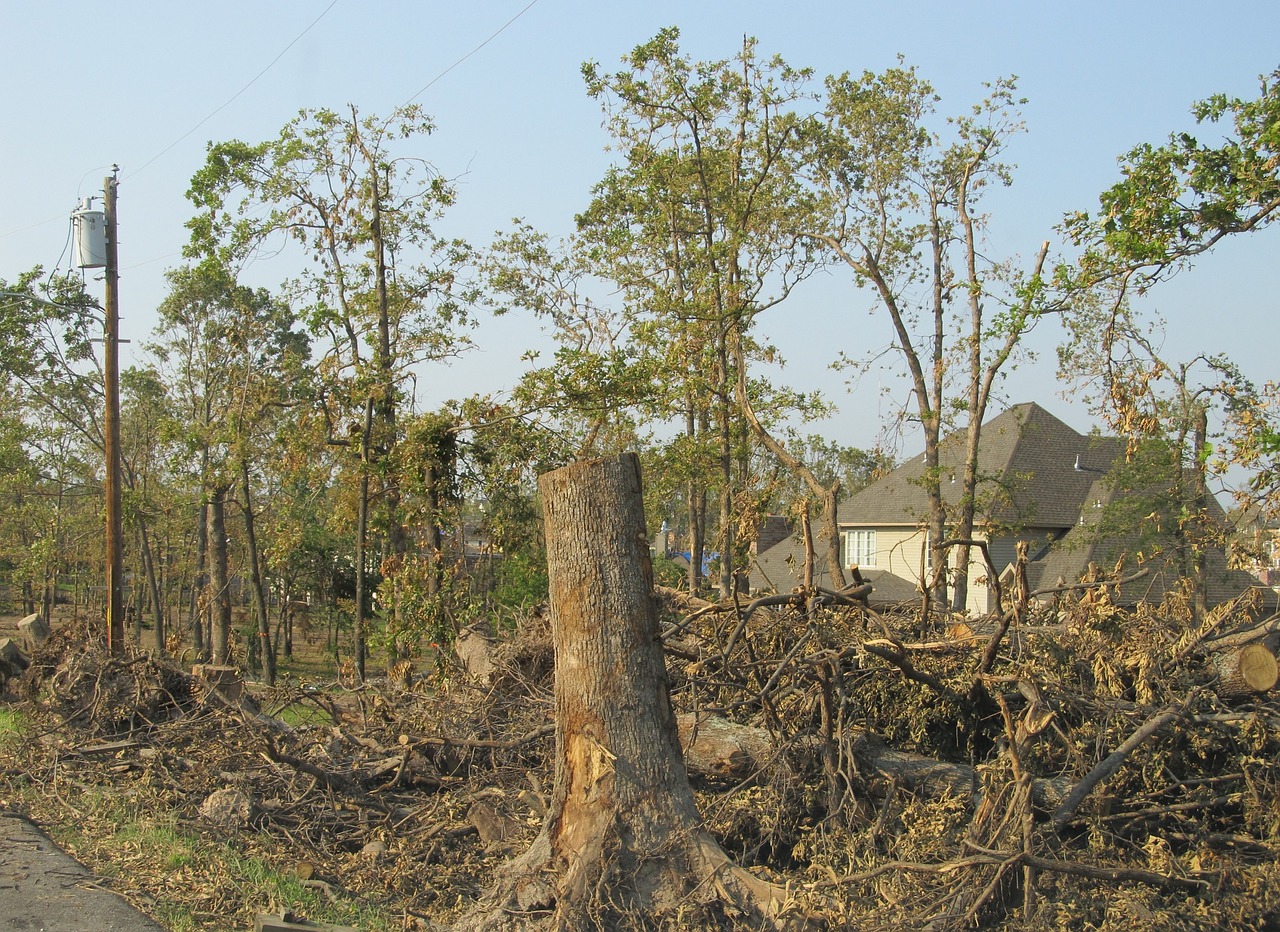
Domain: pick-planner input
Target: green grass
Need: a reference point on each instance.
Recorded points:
(11, 726)
(298, 714)
(243, 879)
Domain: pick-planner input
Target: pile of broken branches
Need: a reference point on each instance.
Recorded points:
(1069, 766)
(1066, 766)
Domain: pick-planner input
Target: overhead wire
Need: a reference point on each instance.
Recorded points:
(323, 13)
(500, 31)
(296, 39)
(236, 95)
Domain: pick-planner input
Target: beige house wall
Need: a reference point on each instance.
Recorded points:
(899, 549)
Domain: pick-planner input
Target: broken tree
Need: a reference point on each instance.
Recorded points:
(622, 844)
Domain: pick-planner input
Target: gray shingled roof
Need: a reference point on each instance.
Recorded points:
(1069, 559)
(1027, 475)
(1035, 472)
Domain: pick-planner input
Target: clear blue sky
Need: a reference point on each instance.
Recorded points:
(146, 85)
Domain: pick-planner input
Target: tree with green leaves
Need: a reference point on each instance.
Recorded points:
(28, 564)
(379, 284)
(48, 325)
(698, 227)
(1177, 201)
(146, 459)
(232, 358)
(903, 212)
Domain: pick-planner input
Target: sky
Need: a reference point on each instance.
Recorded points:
(146, 85)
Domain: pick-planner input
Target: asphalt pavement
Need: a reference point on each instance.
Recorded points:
(44, 889)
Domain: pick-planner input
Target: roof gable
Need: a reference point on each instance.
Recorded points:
(1034, 470)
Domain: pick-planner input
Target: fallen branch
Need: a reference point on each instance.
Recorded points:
(1110, 765)
(330, 781)
(886, 650)
(1095, 584)
(1113, 874)
(1108, 874)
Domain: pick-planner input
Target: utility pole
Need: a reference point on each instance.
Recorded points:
(111, 427)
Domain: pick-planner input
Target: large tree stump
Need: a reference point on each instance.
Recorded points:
(34, 631)
(622, 845)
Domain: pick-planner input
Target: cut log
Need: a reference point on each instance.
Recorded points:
(224, 680)
(12, 661)
(12, 657)
(1244, 671)
(475, 650)
(34, 631)
(927, 777)
(718, 748)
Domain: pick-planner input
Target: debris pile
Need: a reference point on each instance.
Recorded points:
(1066, 767)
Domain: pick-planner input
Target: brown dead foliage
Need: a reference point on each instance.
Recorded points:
(906, 781)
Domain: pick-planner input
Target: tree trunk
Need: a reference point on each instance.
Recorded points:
(219, 599)
(259, 587)
(725, 428)
(199, 582)
(1200, 508)
(695, 428)
(622, 842)
(806, 534)
(362, 534)
(153, 586)
(1243, 672)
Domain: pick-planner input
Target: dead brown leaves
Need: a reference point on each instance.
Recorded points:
(882, 776)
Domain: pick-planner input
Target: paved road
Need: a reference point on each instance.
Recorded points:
(44, 889)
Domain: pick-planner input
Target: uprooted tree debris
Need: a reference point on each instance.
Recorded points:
(1065, 765)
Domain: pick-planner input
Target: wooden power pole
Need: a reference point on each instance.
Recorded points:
(111, 427)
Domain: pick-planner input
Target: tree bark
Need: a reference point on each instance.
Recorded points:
(1243, 672)
(219, 577)
(362, 534)
(153, 586)
(199, 583)
(259, 586)
(622, 838)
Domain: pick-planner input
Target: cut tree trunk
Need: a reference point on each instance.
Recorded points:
(1244, 671)
(622, 845)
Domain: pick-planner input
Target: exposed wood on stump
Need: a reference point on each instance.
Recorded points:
(1244, 671)
(34, 631)
(12, 661)
(622, 841)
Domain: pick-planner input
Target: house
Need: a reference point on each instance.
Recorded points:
(1259, 540)
(1040, 482)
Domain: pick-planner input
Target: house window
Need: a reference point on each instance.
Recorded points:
(860, 548)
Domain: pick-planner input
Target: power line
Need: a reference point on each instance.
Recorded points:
(271, 65)
(495, 35)
(237, 94)
(214, 113)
